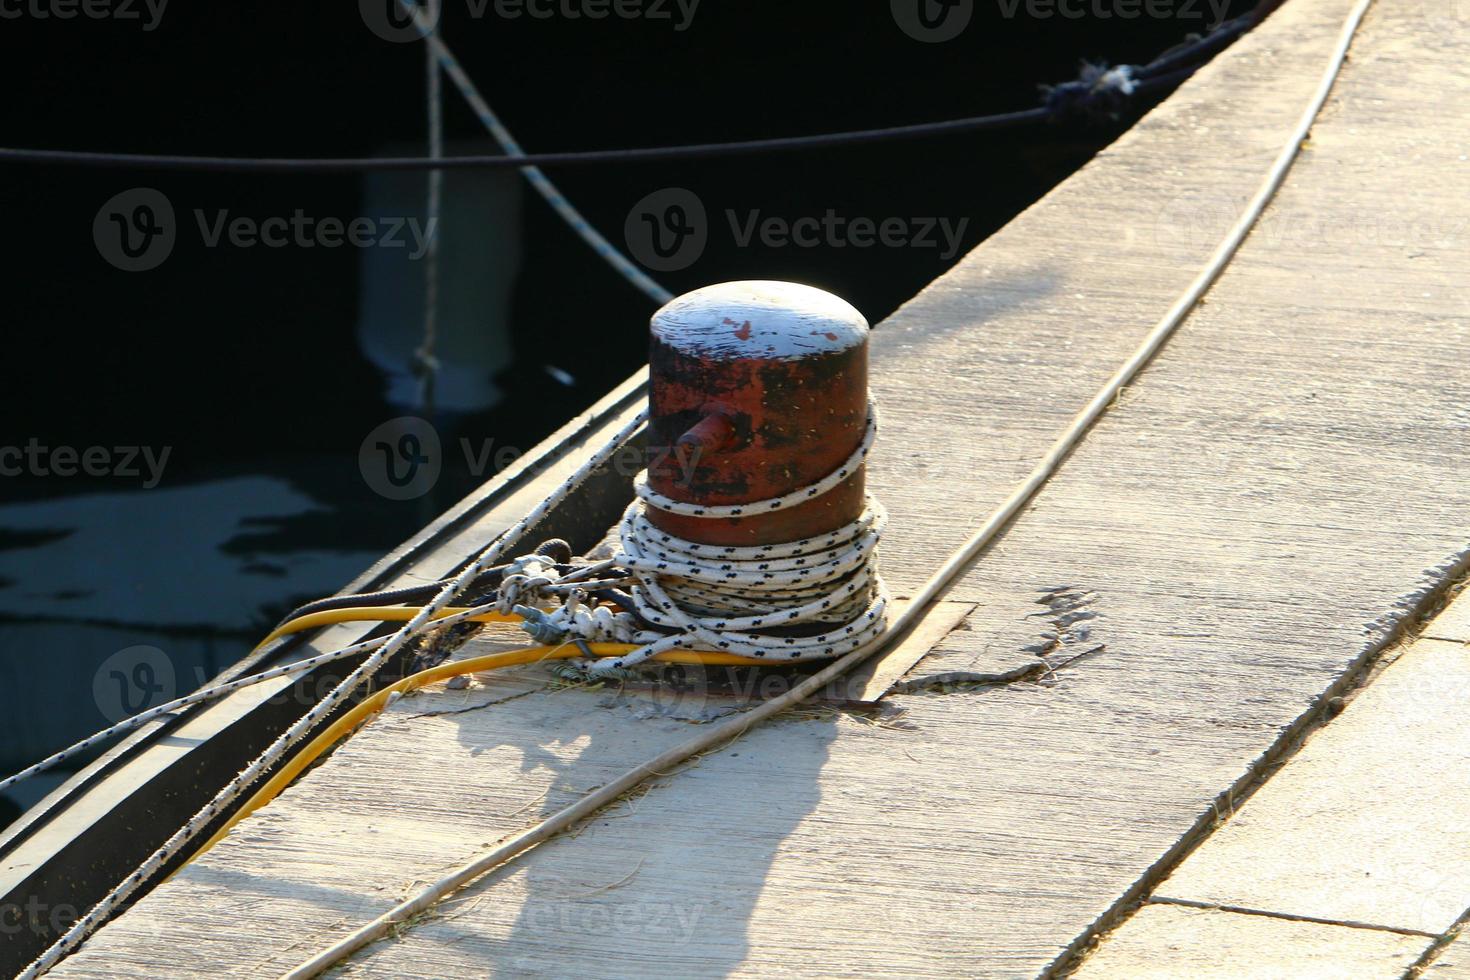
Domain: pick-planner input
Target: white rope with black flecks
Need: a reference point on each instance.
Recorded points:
(729, 599)
(278, 749)
(532, 579)
(709, 597)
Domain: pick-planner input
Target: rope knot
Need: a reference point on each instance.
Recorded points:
(1098, 93)
(524, 582)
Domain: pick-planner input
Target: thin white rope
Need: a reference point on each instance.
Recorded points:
(426, 361)
(933, 587)
(829, 578)
(798, 496)
(716, 604)
(277, 750)
(220, 690)
(534, 176)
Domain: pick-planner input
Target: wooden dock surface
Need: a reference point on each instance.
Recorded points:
(1351, 861)
(1279, 490)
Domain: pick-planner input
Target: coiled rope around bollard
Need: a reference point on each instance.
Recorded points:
(683, 593)
(726, 599)
(931, 590)
(816, 580)
(721, 732)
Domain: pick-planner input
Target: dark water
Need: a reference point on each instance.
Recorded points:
(186, 439)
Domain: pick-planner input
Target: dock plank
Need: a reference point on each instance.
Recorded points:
(1453, 963)
(1453, 623)
(1166, 942)
(1366, 824)
(1267, 501)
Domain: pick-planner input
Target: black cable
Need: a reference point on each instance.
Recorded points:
(554, 548)
(154, 161)
(1210, 44)
(1148, 79)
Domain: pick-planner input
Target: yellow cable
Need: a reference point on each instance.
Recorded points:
(374, 704)
(380, 614)
(365, 710)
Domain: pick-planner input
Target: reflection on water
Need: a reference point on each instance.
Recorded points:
(478, 235)
(115, 601)
(266, 370)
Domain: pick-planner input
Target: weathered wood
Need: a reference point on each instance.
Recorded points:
(1366, 824)
(1451, 624)
(1363, 828)
(1283, 485)
(872, 679)
(1167, 942)
(92, 831)
(1453, 963)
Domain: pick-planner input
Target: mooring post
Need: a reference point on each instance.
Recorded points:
(757, 388)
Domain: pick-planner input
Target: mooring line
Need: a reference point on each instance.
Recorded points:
(564, 208)
(933, 588)
(308, 722)
(426, 358)
(1079, 94)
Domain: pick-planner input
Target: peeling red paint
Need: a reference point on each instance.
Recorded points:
(794, 421)
(786, 417)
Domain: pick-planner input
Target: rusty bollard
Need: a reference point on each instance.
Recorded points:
(757, 388)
